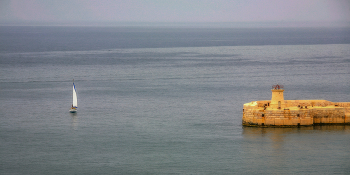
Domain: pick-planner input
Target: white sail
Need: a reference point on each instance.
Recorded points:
(75, 100)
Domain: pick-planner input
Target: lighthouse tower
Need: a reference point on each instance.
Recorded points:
(277, 100)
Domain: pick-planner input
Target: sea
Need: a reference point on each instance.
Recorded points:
(167, 99)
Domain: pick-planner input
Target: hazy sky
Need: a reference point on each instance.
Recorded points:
(70, 11)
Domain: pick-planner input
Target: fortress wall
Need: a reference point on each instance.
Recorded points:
(329, 115)
(253, 114)
(249, 112)
(288, 117)
(321, 103)
(263, 103)
(342, 104)
(312, 103)
(309, 103)
(276, 117)
(347, 111)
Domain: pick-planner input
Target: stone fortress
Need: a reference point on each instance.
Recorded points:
(278, 112)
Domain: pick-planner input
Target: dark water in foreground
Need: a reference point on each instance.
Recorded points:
(166, 101)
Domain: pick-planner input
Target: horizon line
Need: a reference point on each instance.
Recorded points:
(257, 24)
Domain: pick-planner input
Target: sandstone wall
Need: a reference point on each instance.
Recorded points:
(296, 112)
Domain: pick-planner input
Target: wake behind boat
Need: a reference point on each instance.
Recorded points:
(74, 107)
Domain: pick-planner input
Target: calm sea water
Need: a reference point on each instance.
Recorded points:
(167, 100)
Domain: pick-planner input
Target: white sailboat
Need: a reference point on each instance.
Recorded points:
(74, 107)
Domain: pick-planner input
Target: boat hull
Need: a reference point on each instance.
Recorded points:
(73, 110)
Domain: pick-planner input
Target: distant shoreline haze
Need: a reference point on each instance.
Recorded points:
(272, 24)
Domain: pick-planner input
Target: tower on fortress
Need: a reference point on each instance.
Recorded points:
(277, 99)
